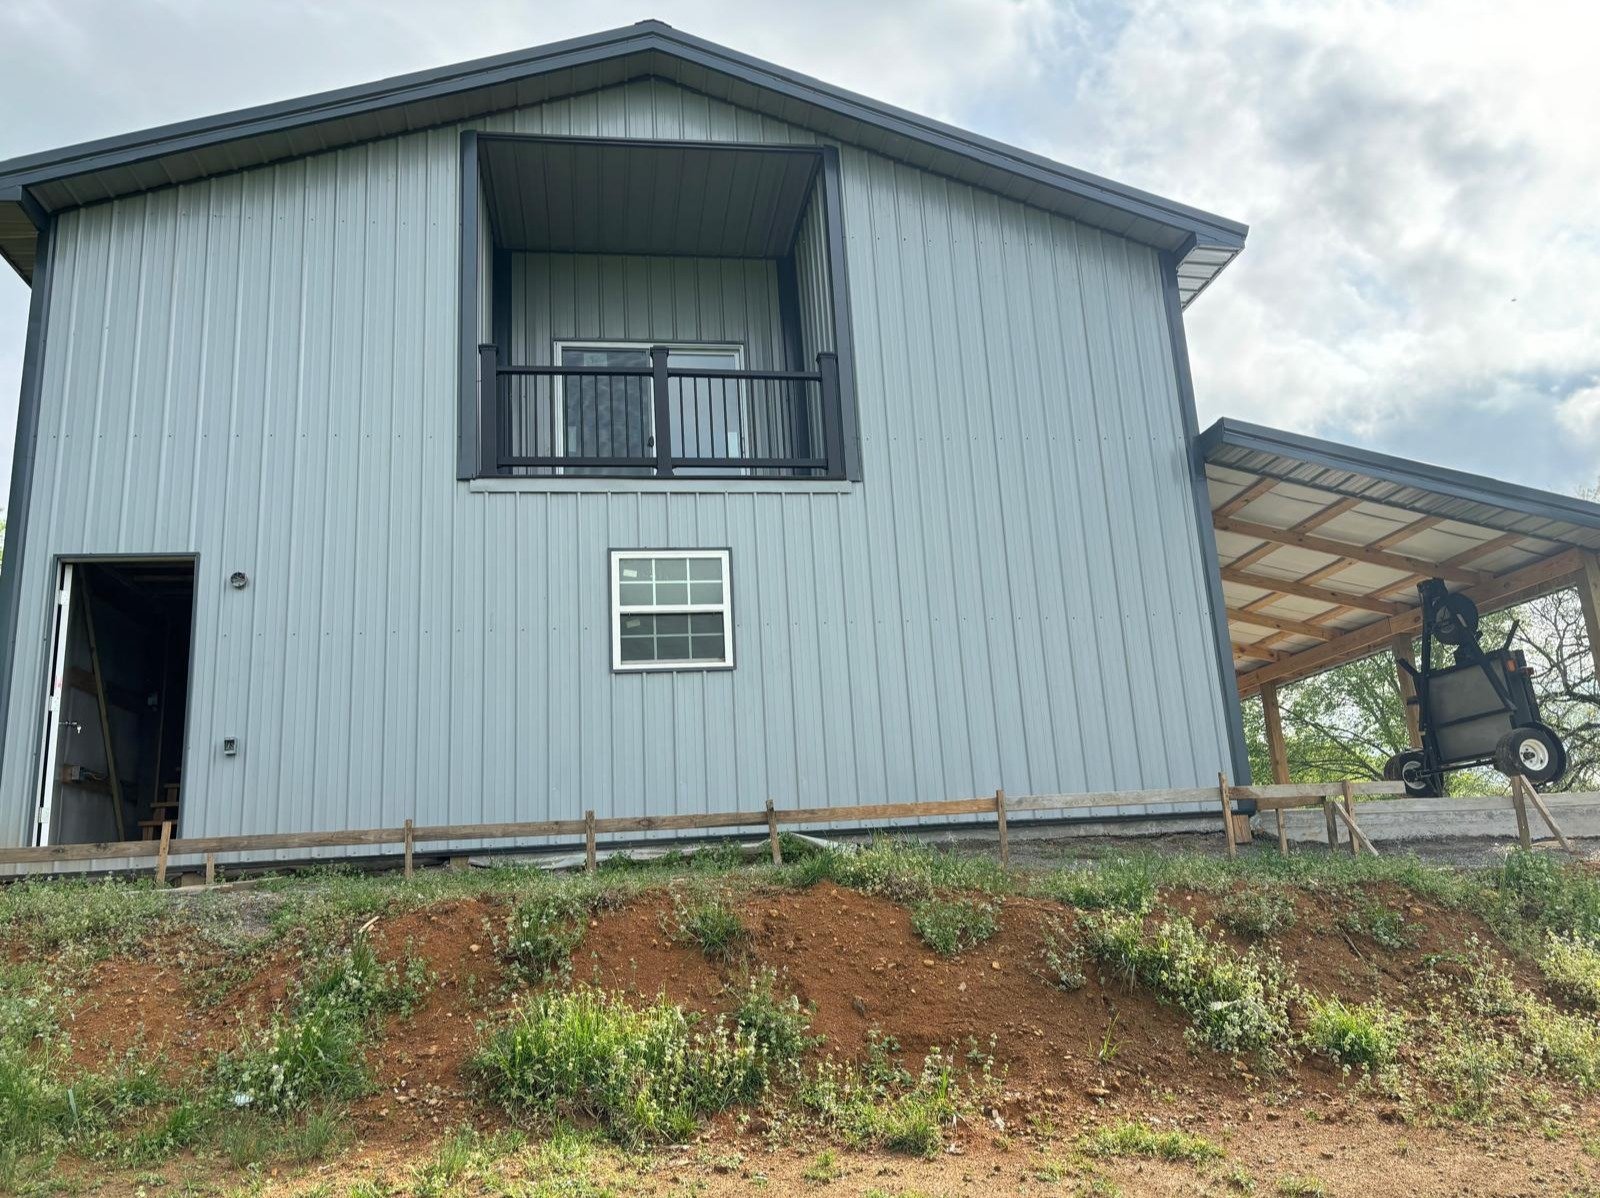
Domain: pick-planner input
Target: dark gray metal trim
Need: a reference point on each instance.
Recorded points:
(1457, 484)
(642, 38)
(468, 333)
(839, 289)
(500, 303)
(22, 460)
(1238, 749)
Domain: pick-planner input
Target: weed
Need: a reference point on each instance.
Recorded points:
(645, 1073)
(881, 1105)
(1304, 1185)
(1063, 957)
(709, 921)
(1117, 884)
(949, 926)
(1239, 1178)
(1140, 1139)
(363, 987)
(1108, 1048)
(451, 1160)
(1556, 896)
(905, 871)
(1385, 926)
(254, 1139)
(314, 1055)
(542, 933)
(1356, 1035)
(1572, 967)
(1257, 912)
(824, 1169)
(780, 1030)
(1234, 1003)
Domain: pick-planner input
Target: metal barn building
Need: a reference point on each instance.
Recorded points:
(621, 425)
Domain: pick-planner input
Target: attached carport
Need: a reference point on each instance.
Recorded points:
(1320, 548)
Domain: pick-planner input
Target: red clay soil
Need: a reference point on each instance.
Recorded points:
(148, 1004)
(419, 1061)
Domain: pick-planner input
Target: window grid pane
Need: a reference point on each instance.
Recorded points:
(645, 635)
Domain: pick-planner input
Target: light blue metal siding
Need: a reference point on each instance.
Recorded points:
(260, 369)
(614, 297)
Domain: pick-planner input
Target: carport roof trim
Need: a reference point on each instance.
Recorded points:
(1406, 472)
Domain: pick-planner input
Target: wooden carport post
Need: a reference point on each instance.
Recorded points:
(1401, 647)
(1277, 750)
(1588, 584)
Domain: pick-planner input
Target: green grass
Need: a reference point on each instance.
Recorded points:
(950, 926)
(1302, 1185)
(881, 1105)
(543, 931)
(1257, 912)
(645, 1073)
(1234, 1003)
(1062, 957)
(708, 920)
(1382, 924)
(904, 871)
(1130, 1139)
(1359, 1035)
(1572, 967)
(1116, 884)
(254, 1139)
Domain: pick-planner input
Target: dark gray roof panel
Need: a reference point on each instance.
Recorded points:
(1416, 486)
(134, 162)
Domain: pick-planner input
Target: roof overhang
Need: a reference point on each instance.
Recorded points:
(1321, 546)
(105, 169)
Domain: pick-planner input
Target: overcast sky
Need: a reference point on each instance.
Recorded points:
(1422, 179)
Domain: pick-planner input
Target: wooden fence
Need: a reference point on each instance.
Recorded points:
(1337, 800)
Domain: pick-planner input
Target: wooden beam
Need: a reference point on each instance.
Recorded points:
(1245, 497)
(1279, 624)
(1401, 647)
(1483, 549)
(1406, 532)
(1277, 752)
(1532, 580)
(1355, 553)
(1300, 590)
(1259, 652)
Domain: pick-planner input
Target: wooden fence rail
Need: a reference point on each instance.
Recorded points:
(1000, 806)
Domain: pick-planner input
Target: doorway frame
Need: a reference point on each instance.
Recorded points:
(35, 833)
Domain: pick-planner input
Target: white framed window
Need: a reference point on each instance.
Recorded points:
(671, 610)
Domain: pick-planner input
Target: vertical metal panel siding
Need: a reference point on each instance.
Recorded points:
(261, 369)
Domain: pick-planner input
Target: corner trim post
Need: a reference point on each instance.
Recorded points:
(467, 333)
(839, 285)
(22, 461)
(1238, 750)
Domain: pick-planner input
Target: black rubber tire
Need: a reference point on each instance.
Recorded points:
(1532, 741)
(1407, 767)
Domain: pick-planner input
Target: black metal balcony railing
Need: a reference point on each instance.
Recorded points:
(662, 422)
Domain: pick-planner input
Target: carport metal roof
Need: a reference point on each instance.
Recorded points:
(1321, 546)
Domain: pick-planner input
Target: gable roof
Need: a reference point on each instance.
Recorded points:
(116, 166)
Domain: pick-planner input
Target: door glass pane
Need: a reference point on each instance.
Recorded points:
(605, 416)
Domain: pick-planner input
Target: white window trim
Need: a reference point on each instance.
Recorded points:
(559, 348)
(725, 609)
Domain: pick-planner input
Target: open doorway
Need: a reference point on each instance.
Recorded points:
(117, 703)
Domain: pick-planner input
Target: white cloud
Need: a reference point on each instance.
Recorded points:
(1423, 269)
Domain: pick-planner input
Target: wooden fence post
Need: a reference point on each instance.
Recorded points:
(211, 869)
(1000, 817)
(1333, 828)
(161, 855)
(1350, 816)
(772, 834)
(409, 842)
(589, 855)
(1520, 806)
(1276, 749)
(1227, 814)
